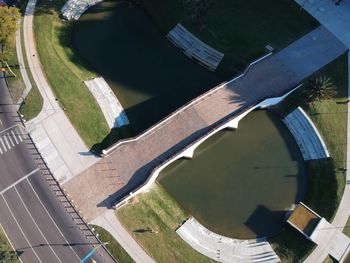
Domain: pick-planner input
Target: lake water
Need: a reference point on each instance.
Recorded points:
(150, 76)
(240, 183)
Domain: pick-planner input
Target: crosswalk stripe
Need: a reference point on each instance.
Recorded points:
(9, 136)
(19, 131)
(0, 150)
(14, 136)
(3, 144)
(5, 139)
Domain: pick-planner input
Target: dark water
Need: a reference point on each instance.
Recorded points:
(150, 77)
(240, 182)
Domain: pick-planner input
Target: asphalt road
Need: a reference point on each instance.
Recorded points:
(37, 222)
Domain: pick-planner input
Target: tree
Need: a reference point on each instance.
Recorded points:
(320, 88)
(9, 17)
(7, 256)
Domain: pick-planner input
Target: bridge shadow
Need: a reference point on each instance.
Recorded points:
(142, 174)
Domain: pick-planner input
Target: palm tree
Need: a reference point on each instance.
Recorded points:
(320, 88)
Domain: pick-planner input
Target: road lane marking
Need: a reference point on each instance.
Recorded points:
(26, 208)
(14, 136)
(3, 145)
(5, 139)
(19, 133)
(13, 126)
(59, 230)
(9, 136)
(30, 245)
(18, 181)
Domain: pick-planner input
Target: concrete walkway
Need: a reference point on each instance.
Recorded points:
(132, 161)
(27, 83)
(337, 20)
(56, 138)
(110, 222)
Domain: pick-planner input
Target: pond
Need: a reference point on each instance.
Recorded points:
(240, 183)
(150, 77)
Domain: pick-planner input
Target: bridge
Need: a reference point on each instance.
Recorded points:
(129, 163)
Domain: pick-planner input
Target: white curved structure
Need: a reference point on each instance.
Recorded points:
(194, 47)
(306, 135)
(73, 9)
(225, 249)
(110, 106)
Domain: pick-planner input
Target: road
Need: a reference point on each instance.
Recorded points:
(36, 219)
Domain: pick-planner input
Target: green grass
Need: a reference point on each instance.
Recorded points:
(158, 211)
(65, 72)
(16, 84)
(34, 101)
(326, 180)
(239, 29)
(347, 228)
(113, 246)
(5, 247)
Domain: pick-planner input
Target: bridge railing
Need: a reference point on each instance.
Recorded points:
(218, 126)
(182, 108)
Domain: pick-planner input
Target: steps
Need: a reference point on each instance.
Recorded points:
(306, 135)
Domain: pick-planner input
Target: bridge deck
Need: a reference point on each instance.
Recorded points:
(131, 163)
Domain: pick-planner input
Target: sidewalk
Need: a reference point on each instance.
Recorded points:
(110, 222)
(55, 137)
(337, 20)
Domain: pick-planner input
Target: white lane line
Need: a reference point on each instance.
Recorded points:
(14, 136)
(47, 242)
(59, 230)
(18, 181)
(3, 144)
(19, 133)
(16, 125)
(5, 139)
(30, 245)
(9, 136)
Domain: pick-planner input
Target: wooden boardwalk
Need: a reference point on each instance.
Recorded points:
(131, 162)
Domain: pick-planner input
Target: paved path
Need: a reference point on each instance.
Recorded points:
(337, 20)
(28, 85)
(132, 161)
(110, 222)
(56, 138)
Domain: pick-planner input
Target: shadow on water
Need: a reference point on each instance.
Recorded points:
(150, 77)
(264, 222)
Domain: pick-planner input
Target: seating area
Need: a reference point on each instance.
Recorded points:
(73, 9)
(108, 102)
(306, 135)
(224, 249)
(195, 48)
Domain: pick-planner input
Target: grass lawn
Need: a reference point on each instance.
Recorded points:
(16, 84)
(347, 228)
(5, 247)
(326, 181)
(239, 29)
(158, 211)
(113, 246)
(66, 72)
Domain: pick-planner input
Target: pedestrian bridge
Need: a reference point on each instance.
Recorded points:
(129, 163)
